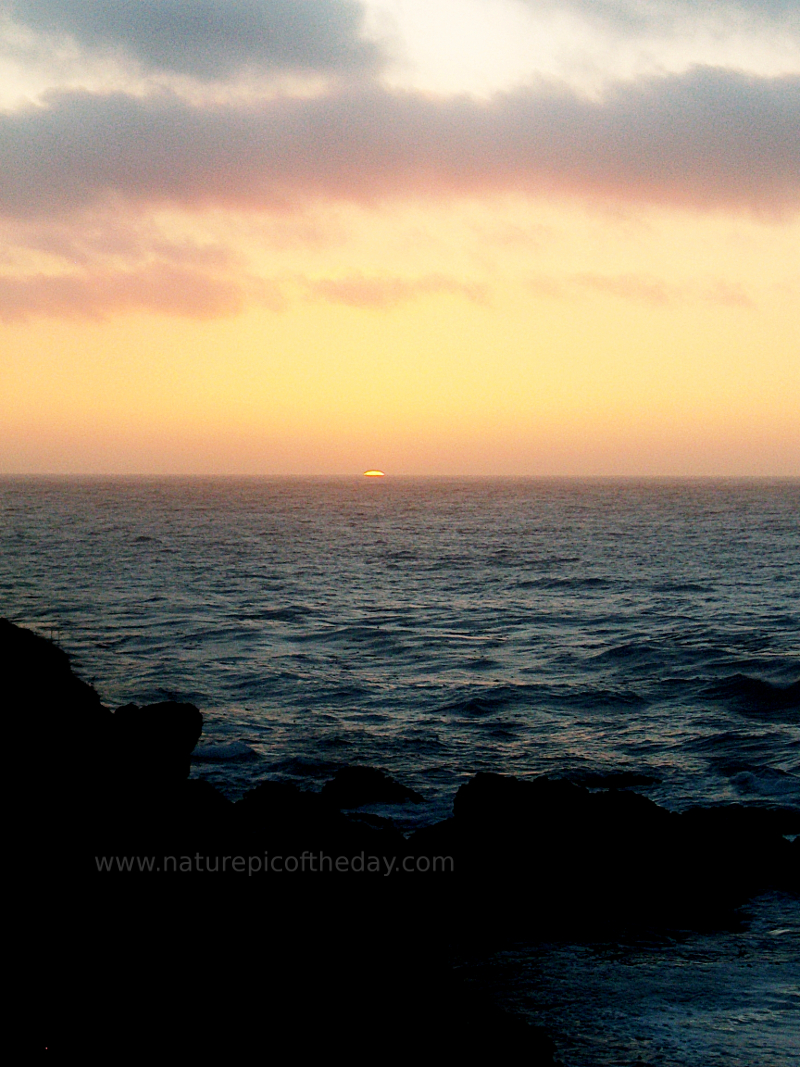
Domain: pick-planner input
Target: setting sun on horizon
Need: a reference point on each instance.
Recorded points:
(517, 238)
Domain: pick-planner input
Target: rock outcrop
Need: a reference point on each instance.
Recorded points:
(165, 916)
(318, 930)
(353, 786)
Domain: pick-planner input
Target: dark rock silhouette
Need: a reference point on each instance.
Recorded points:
(305, 923)
(614, 779)
(155, 742)
(37, 676)
(154, 935)
(279, 816)
(52, 713)
(550, 855)
(353, 786)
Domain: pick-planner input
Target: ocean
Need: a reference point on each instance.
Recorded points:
(439, 627)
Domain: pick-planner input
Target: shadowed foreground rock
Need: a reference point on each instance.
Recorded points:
(281, 926)
(168, 922)
(353, 786)
(546, 856)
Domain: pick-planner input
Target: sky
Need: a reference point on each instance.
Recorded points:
(433, 237)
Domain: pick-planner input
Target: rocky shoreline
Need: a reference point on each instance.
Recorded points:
(288, 921)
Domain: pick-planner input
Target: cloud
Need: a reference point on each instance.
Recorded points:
(705, 139)
(636, 16)
(160, 288)
(730, 294)
(642, 289)
(629, 287)
(111, 239)
(210, 39)
(97, 264)
(105, 266)
(649, 290)
(380, 293)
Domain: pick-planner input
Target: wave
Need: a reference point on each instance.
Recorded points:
(755, 696)
(370, 635)
(306, 767)
(568, 583)
(628, 650)
(681, 587)
(490, 699)
(287, 614)
(226, 750)
(768, 782)
(590, 698)
(474, 706)
(726, 749)
(514, 558)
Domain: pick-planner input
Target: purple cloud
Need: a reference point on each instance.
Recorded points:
(705, 139)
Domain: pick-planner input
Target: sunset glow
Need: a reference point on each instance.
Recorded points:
(561, 240)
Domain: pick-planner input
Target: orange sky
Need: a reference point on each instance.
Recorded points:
(343, 254)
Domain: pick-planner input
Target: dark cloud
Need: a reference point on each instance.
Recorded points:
(708, 138)
(210, 39)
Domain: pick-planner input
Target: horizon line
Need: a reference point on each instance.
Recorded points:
(359, 476)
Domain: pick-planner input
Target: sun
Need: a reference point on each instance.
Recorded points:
(374, 474)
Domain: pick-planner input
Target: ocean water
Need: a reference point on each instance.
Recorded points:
(683, 999)
(441, 627)
(434, 627)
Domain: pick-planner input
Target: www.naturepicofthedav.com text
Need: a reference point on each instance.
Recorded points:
(306, 862)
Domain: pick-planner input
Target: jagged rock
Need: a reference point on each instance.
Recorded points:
(283, 804)
(350, 956)
(353, 786)
(613, 779)
(154, 742)
(52, 713)
(585, 860)
(281, 815)
(36, 678)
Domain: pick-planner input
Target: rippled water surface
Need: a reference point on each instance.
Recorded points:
(434, 627)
